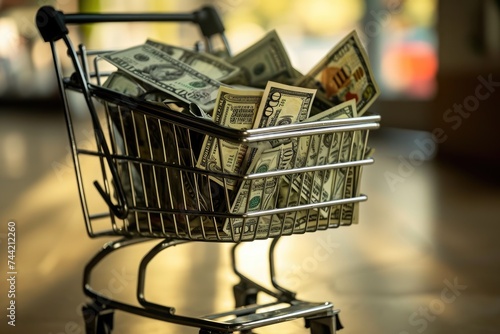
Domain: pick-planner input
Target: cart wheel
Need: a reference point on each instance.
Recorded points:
(244, 295)
(97, 321)
(324, 325)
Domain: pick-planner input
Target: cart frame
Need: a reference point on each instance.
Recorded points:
(98, 314)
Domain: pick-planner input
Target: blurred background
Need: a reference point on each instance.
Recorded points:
(432, 215)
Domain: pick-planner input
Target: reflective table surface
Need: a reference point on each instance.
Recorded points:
(425, 257)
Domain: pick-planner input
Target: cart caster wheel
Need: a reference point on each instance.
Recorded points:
(244, 295)
(97, 321)
(324, 325)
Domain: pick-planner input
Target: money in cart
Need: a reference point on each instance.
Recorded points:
(197, 145)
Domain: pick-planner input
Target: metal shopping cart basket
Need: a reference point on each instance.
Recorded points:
(152, 188)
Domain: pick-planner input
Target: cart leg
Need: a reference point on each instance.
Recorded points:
(97, 320)
(327, 324)
(244, 295)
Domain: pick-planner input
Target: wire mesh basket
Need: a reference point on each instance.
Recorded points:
(144, 172)
(304, 177)
(307, 181)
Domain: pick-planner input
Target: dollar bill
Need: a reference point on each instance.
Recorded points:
(300, 221)
(284, 104)
(124, 84)
(325, 185)
(313, 219)
(236, 109)
(281, 105)
(344, 73)
(163, 72)
(266, 60)
(203, 62)
(260, 194)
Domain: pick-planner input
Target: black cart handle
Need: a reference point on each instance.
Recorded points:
(52, 23)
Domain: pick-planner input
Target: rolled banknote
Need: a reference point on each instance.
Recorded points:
(236, 109)
(343, 74)
(158, 69)
(266, 60)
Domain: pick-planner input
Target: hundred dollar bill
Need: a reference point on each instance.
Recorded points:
(353, 181)
(344, 73)
(333, 144)
(284, 104)
(349, 213)
(261, 193)
(339, 183)
(313, 219)
(266, 60)
(158, 69)
(203, 62)
(235, 109)
(325, 185)
(281, 104)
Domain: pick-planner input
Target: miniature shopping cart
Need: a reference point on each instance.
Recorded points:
(141, 158)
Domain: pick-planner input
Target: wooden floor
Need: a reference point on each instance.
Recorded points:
(425, 257)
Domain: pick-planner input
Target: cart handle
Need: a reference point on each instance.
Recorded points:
(52, 23)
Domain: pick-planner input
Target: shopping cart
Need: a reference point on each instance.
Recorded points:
(150, 184)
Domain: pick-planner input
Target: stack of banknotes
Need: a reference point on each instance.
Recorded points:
(256, 88)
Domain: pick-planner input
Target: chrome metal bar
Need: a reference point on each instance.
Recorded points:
(120, 210)
(247, 280)
(287, 295)
(250, 136)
